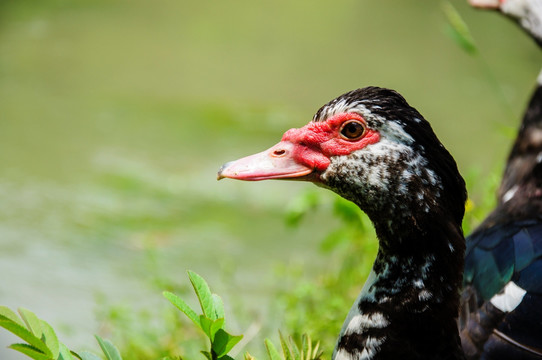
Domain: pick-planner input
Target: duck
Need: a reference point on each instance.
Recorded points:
(527, 13)
(501, 303)
(374, 149)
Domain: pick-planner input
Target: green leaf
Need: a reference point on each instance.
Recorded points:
(10, 315)
(25, 335)
(30, 351)
(224, 342)
(226, 357)
(272, 350)
(207, 354)
(295, 349)
(85, 355)
(286, 350)
(306, 347)
(204, 295)
(65, 354)
(458, 29)
(50, 339)
(109, 350)
(249, 357)
(219, 306)
(73, 353)
(315, 354)
(32, 322)
(181, 305)
(210, 327)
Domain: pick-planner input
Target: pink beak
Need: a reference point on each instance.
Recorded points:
(277, 162)
(486, 4)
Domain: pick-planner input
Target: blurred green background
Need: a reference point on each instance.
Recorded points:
(115, 116)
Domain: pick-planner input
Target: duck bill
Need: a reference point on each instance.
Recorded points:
(486, 4)
(277, 162)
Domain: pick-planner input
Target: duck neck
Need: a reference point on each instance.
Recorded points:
(520, 192)
(408, 305)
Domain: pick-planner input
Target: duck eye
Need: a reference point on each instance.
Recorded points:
(352, 130)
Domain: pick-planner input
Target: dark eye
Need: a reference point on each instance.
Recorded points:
(352, 130)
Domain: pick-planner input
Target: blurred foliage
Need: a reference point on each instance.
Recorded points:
(458, 30)
(317, 303)
(41, 340)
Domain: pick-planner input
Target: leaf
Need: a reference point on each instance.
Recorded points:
(458, 29)
(224, 342)
(207, 354)
(226, 357)
(219, 306)
(272, 350)
(109, 350)
(210, 327)
(286, 350)
(248, 356)
(306, 347)
(295, 349)
(10, 315)
(204, 295)
(32, 322)
(73, 353)
(25, 335)
(315, 353)
(50, 339)
(30, 351)
(85, 355)
(65, 354)
(181, 305)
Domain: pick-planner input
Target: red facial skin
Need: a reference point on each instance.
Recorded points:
(316, 142)
(303, 153)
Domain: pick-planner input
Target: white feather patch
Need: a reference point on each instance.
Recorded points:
(510, 194)
(509, 298)
(364, 321)
(343, 355)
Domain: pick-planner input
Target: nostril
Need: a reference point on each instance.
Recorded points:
(279, 152)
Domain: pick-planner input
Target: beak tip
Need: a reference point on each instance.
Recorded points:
(220, 175)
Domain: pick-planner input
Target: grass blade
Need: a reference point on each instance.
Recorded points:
(458, 29)
(286, 348)
(272, 350)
